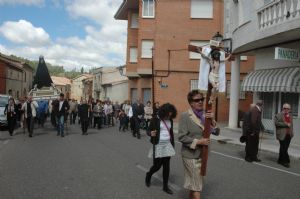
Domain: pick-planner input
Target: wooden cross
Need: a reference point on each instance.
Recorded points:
(208, 109)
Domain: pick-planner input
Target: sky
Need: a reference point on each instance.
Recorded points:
(69, 33)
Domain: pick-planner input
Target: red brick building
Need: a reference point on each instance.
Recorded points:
(158, 35)
(15, 77)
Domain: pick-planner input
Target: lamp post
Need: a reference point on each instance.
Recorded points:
(121, 70)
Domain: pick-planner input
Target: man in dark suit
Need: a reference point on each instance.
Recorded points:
(253, 136)
(83, 113)
(63, 107)
(138, 113)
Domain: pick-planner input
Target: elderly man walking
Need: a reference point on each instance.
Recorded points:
(284, 133)
(252, 142)
(29, 108)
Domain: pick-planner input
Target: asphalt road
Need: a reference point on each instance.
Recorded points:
(109, 164)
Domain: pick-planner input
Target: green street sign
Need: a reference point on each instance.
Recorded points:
(287, 54)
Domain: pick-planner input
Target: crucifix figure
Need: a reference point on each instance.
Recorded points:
(212, 79)
(214, 60)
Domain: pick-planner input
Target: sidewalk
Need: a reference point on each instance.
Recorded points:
(268, 141)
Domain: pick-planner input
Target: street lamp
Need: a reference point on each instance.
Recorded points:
(219, 41)
(217, 37)
(121, 70)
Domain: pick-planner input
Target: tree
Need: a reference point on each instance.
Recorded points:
(82, 70)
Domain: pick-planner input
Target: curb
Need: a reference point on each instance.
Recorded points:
(226, 140)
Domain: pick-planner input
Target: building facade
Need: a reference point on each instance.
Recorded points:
(78, 86)
(97, 88)
(270, 31)
(110, 84)
(15, 77)
(87, 88)
(159, 33)
(63, 84)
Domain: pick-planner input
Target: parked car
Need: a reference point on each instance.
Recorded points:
(3, 119)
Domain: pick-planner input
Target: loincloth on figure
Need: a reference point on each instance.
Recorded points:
(214, 79)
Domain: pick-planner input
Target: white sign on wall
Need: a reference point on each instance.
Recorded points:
(287, 54)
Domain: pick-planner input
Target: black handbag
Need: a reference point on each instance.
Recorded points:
(243, 138)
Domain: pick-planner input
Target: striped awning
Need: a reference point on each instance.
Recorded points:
(273, 80)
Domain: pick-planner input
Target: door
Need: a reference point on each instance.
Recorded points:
(146, 95)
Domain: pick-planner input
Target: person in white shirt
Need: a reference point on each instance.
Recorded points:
(162, 138)
(29, 108)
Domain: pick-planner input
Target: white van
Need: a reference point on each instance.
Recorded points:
(3, 102)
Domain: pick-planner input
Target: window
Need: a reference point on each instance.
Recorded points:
(134, 20)
(197, 43)
(133, 55)
(243, 58)
(148, 8)
(268, 100)
(244, 11)
(194, 84)
(134, 94)
(242, 93)
(201, 8)
(147, 46)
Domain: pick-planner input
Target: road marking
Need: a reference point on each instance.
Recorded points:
(173, 186)
(5, 142)
(262, 165)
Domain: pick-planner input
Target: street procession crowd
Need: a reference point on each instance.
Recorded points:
(88, 113)
(158, 122)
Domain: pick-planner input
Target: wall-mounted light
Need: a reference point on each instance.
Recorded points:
(122, 70)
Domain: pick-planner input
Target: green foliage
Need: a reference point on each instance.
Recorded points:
(53, 70)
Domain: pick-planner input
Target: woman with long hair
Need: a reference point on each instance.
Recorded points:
(162, 138)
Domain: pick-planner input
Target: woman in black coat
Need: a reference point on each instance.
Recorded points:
(162, 138)
(11, 114)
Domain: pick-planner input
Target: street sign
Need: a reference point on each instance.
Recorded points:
(287, 54)
(163, 85)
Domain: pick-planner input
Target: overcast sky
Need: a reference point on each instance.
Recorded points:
(71, 33)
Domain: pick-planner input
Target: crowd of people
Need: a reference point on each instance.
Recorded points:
(88, 113)
(158, 122)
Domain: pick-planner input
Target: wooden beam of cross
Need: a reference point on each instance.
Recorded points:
(208, 109)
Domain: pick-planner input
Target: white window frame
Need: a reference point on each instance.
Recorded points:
(146, 49)
(133, 54)
(143, 8)
(199, 43)
(200, 9)
(243, 58)
(134, 23)
(194, 84)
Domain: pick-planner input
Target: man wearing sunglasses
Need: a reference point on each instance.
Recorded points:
(284, 133)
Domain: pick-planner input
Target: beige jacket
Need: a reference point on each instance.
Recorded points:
(34, 106)
(281, 126)
(148, 112)
(190, 130)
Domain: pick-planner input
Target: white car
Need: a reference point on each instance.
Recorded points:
(3, 102)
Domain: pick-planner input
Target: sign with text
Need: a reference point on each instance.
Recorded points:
(287, 54)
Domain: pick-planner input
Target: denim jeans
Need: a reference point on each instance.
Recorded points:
(60, 125)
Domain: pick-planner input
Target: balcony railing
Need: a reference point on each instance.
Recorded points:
(280, 11)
